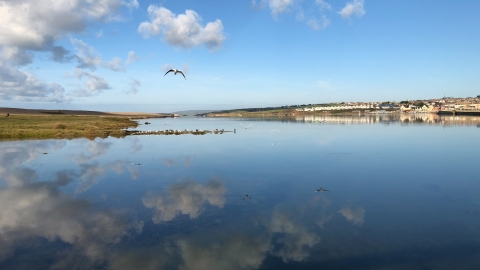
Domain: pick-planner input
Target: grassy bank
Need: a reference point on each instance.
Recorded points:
(18, 127)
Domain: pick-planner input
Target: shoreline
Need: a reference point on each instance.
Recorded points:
(33, 126)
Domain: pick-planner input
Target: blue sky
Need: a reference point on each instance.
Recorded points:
(111, 55)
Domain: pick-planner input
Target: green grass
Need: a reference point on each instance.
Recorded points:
(17, 127)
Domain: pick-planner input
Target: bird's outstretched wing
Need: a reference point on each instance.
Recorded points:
(182, 74)
(249, 125)
(171, 70)
(242, 125)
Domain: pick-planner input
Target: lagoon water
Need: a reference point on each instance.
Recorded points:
(403, 194)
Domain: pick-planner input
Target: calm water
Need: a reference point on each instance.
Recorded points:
(403, 194)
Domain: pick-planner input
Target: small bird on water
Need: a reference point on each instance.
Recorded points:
(175, 71)
(321, 190)
(246, 196)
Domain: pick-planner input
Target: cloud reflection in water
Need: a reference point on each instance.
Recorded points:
(185, 198)
(42, 210)
(353, 215)
(14, 154)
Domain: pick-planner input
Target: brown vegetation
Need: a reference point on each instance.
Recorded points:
(60, 126)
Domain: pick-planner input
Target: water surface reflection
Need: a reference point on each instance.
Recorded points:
(401, 196)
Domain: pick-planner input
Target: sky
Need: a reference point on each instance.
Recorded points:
(111, 55)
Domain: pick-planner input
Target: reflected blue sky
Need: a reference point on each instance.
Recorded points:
(403, 194)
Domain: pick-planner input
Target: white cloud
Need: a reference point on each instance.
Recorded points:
(22, 86)
(353, 215)
(300, 15)
(186, 198)
(36, 25)
(323, 5)
(132, 4)
(86, 55)
(133, 87)
(315, 25)
(60, 54)
(325, 22)
(351, 8)
(115, 65)
(132, 57)
(279, 6)
(16, 56)
(183, 30)
(282, 6)
(94, 84)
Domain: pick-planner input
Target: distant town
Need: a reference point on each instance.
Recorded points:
(430, 105)
(447, 105)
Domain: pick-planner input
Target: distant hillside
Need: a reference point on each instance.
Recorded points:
(193, 112)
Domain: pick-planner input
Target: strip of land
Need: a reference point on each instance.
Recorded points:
(138, 115)
(66, 124)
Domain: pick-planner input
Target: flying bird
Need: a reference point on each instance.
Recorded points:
(275, 130)
(175, 71)
(321, 190)
(246, 126)
(246, 196)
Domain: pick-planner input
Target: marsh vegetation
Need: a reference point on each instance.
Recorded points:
(60, 126)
